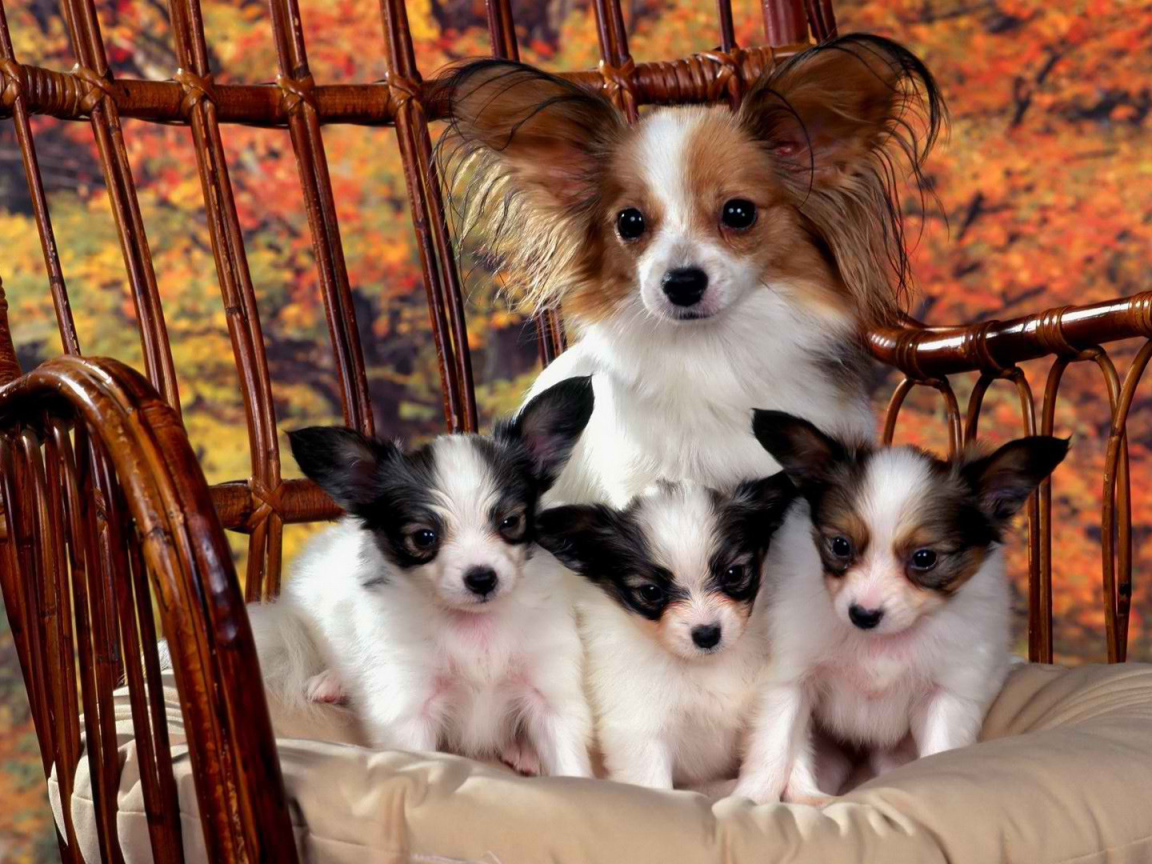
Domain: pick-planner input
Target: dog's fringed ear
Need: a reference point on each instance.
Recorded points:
(1004, 480)
(761, 504)
(806, 454)
(342, 462)
(549, 134)
(523, 163)
(838, 119)
(549, 426)
(582, 538)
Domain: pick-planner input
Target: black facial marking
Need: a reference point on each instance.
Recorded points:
(746, 519)
(608, 548)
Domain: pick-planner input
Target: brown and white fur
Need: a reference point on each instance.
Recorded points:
(707, 261)
(889, 615)
(673, 634)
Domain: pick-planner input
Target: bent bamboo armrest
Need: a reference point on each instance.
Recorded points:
(134, 441)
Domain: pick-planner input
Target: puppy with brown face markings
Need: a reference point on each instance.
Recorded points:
(673, 658)
(889, 619)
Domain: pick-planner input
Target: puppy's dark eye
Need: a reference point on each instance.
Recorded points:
(630, 224)
(841, 547)
(924, 559)
(738, 214)
(652, 594)
(424, 539)
(734, 575)
(511, 525)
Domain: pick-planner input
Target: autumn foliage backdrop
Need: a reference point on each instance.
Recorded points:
(1044, 198)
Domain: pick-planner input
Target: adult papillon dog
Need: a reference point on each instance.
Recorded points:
(708, 261)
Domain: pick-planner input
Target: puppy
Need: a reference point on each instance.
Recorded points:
(707, 261)
(429, 604)
(672, 667)
(890, 614)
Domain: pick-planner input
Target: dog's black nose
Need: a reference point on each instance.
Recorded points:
(685, 285)
(481, 580)
(706, 636)
(863, 618)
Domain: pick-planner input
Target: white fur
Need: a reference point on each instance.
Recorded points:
(666, 713)
(674, 398)
(932, 676)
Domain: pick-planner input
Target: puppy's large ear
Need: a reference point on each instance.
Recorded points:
(582, 537)
(550, 135)
(1004, 480)
(549, 426)
(837, 119)
(342, 462)
(806, 454)
(760, 505)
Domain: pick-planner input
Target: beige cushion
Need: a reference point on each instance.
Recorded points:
(1063, 774)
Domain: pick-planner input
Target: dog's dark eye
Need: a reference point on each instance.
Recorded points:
(630, 224)
(734, 575)
(510, 525)
(738, 214)
(423, 539)
(924, 559)
(841, 547)
(652, 594)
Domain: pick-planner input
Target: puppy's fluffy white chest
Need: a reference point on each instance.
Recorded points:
(695, 711)
(469, 674)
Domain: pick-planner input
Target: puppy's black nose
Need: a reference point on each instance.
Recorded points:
(481, 580)
(685, 285)
(706, 636)
(863, 618)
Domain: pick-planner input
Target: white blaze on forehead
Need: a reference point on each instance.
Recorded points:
(892, 495)
(679, 523)
(663, 140)
(464, 487)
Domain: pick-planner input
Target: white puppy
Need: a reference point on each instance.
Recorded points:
(430, 604)
(672, 657)
(889, 615)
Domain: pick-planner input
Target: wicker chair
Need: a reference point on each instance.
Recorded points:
(106, 508)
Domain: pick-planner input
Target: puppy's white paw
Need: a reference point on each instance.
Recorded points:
(325, 689)
(522, 758)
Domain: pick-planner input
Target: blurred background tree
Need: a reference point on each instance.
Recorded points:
(1043, 200)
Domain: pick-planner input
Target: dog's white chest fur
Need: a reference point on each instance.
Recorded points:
(424, 677)
(674, 401)
(663, 721)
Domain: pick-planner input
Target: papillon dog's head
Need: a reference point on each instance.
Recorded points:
(458, 514)
(684, 215)
(683, 559)
(900, 531)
